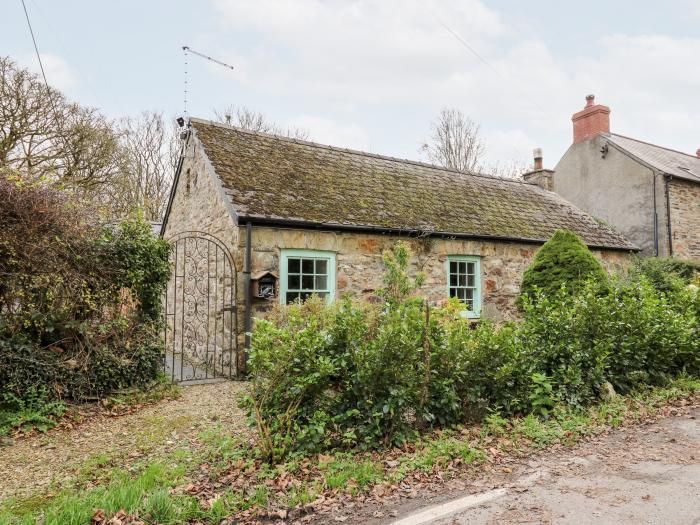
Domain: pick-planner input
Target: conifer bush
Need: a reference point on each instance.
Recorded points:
(563, 261)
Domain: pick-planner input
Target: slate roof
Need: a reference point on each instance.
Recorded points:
(676, 163)
(280, 179)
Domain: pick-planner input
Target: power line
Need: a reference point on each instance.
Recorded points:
(486, 62)
(64, 48)
(36, 48)
(59, 125)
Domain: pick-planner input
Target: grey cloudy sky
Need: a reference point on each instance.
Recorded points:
(372, 74)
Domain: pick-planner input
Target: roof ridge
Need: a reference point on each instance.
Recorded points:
(654, 145)
(355, 151)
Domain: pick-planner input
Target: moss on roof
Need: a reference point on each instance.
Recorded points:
(274, 177)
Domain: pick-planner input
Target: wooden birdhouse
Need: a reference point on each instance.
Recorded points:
(264, 285)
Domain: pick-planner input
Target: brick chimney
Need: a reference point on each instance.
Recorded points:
(591, 120)
(540, 176)
(537, 154)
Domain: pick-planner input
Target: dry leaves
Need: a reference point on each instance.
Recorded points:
(120, 518)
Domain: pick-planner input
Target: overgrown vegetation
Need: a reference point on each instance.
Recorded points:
(358, 375)
(33, 411)
(667, 275)
(177, 490)
(79, 303)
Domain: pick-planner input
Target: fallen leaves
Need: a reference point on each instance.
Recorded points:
(120, 518)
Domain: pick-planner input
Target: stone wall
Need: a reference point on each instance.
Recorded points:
(684, 199)
(360, 267)
(201, 332)
(199, 203)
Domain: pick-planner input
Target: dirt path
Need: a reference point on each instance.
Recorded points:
(639, 475)
(34, 464)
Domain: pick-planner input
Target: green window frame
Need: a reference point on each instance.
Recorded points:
(464, 282)
(306, 272)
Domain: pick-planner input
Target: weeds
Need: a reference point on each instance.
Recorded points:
(146, 490)
(34, 411)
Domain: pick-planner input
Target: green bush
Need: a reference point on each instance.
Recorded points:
(79, 303)
(356, 374)
(666, 274)
(563, 261)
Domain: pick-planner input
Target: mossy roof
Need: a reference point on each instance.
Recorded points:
(278, 178)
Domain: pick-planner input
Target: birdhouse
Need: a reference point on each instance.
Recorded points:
(264, 285)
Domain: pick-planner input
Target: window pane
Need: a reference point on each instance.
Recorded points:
(453, 292)
(462, 280)
(321, 266)
(470, 268)
(304, 296)
(291, 297)
(322, 295)
(453, 279)
(321, 282)
(293, 265)
(307, 282)
(307, 266)
(461, 294)
(470, 280)
(453, 267)
(462, 267)
(293, 282)
(469, 294)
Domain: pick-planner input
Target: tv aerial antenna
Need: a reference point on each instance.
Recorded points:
(185, 51)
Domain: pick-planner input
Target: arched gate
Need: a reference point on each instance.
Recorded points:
(200, 310)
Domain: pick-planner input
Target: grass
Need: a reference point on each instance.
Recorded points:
(146, 488)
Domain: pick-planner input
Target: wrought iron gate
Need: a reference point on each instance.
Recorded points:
(200, 310)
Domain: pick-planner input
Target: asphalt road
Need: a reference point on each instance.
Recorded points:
(643, 475)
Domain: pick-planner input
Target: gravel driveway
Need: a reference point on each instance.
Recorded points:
(33, 465)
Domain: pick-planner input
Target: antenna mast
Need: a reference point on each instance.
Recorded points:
(187, 49)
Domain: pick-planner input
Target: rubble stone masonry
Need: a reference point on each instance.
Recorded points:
(684, 198)
(360, 268)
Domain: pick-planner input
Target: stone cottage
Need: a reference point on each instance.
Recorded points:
(300, 218)
(649, 193)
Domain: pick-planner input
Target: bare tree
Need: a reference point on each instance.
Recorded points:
(514, 169)
(252, 120)
(148, 154)
(43, 136)
(455, 142)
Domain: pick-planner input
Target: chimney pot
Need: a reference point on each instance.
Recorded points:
(591, 120)
(537, 154)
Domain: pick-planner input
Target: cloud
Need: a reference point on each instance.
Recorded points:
(368, 50)
(59, 74)
(327, 131)
(390, 64)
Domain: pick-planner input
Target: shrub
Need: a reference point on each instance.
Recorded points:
(563, 261)
(666, 274)
(355, 374)
(79, 303)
